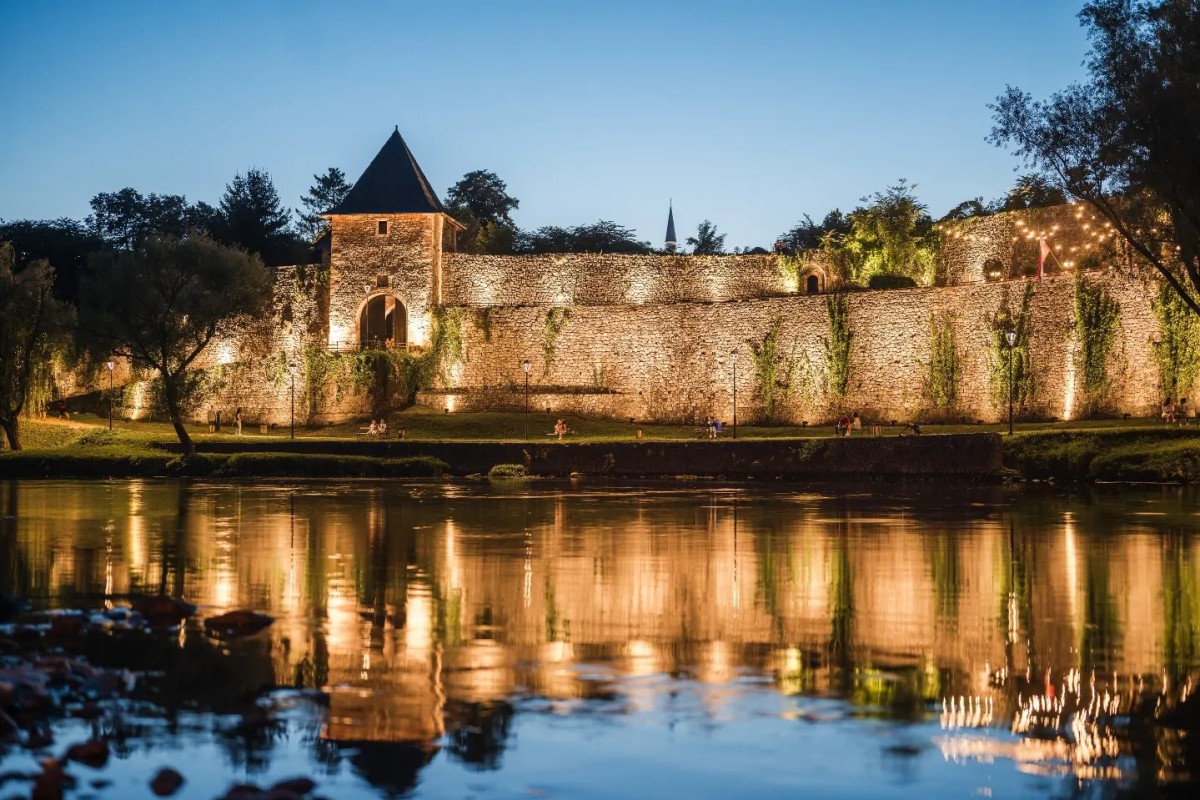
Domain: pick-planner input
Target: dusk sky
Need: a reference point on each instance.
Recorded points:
(749, 113)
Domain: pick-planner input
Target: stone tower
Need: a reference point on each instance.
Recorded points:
(670, 242)
(385, 257)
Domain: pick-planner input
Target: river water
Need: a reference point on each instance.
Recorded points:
(563, 640)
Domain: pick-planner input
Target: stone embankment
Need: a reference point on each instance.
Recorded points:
(965, 456)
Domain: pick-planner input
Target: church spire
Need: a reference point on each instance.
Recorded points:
(671, 243)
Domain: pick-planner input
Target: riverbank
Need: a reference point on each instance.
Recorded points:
(958, 456)
(1087, 452)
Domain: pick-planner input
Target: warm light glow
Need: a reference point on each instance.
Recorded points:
(1069, 381)
(225, 354)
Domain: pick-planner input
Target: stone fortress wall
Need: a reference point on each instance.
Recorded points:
(650, 337)
(672, 362)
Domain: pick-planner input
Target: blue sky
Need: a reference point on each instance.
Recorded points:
(746, 113)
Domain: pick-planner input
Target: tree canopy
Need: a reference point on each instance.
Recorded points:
(599, 237)
(33, 326)
(328, 189)
(163, 303)
(65, 243)
(254, 219)
(892, 234)
(807, 234)
(1123, 140)
(707, 242)
(480, 201)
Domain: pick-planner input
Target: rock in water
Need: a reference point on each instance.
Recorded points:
(166, 782)
(93, 753)
(237, 623)
(297, 786)
(162, 611)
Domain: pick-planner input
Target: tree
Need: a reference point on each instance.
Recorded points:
(328, 190)
(255, 221)
(707, 242)
(599, 237)
(123, 219)
(1031, 191)
(162, 304)
(1123, 141)
(966, 209)
(892, 235)
(65, 243)
(33, 326)
(807, 235)
(481, 202)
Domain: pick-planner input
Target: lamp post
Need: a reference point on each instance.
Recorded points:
(292, 373)
(110, 366)
(1011, 338)
(733, 360)
(525, 365)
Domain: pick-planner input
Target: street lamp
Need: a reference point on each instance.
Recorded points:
(1011, 338)
(525, 365)
(110, 366)
(292, 373)
(733, 360)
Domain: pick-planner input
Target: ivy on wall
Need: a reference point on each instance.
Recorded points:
(774, 371)
(556, 320)
(1177, 350)
(446, 347)
(1096, 318)
(941, 380)
(1024, 379)
(837, 346)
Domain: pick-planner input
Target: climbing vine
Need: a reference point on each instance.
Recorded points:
(941, 381)
(1178, 348)
(319, 366)
(446, 348)
(837, 346)
(1096, 317)
(1024, 381)
(485, 323)
(556, 320)
(790, 267)
(775, 372)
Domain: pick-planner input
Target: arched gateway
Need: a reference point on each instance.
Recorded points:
(382, 323)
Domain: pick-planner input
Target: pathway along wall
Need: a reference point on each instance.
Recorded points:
(671, 362)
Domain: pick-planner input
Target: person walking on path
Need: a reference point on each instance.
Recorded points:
(237, 418)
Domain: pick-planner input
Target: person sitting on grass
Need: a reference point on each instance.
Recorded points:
(560, 429)
(1168, 411)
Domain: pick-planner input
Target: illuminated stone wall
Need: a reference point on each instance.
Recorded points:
(605, 279)
(672, 361)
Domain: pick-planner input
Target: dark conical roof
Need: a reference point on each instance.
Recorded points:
(670, 224)
(393, 183)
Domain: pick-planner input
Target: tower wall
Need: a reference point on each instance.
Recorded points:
(409, 256)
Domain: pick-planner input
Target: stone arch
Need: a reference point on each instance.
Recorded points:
(381, 321)
(812, 280)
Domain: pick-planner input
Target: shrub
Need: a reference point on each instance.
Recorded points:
(507, 471)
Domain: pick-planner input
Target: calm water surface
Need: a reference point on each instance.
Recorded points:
(645, 641)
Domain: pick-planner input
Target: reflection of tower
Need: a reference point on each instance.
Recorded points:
(670, 241)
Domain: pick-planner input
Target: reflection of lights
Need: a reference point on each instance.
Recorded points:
(643, 658)
(966, 712)
(418, 634)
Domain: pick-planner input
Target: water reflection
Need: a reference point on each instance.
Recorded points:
(1030, 628)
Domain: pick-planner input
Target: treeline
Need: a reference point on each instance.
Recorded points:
(249, 216)
(891, 240)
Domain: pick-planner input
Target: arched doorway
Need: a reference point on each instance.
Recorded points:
(383, 323)
(812, 285)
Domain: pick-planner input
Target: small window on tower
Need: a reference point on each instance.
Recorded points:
(381, 282)
(382, 229)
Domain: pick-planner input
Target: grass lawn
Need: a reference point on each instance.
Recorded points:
(422, 424)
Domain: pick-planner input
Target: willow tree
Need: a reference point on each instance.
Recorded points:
(161, 305)
(33, 325)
